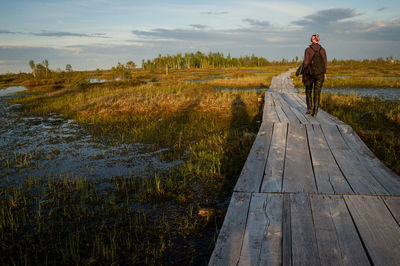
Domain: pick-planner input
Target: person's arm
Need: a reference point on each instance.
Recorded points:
(325, 58)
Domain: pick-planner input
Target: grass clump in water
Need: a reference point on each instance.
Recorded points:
(134, 220)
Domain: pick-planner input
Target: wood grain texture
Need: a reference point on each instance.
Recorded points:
(273, 174)
(384, 176)
(328, 176)
(360, 180)
(270, 115)
(298, 173)
(281, 114)
(253, 170)
(304, 244)
(302, 108)
(337, 238)
(378, 229)
(286, 109)
(393, 203)
(263, 234)
(286, 232)
(230, 238)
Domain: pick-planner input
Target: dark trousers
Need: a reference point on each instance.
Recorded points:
(313, 83)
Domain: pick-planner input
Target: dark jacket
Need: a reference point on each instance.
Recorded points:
(308, 54)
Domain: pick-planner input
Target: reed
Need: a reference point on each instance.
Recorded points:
(132, 220)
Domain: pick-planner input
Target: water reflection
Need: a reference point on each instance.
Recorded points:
(385, 94)
(11, 90)
(44, 147)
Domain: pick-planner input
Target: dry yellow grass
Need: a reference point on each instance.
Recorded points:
(245, 82)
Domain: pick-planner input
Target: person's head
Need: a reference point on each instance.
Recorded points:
(315, 39)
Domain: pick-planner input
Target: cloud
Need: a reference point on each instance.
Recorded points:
(381, 9)
(215, 13)
(7, 32)
(198, 26)
(327, 16)
(69, 34)
(259, 23)
(341, 24)
(179, 34)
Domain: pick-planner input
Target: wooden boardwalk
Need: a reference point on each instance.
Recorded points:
(310, 193)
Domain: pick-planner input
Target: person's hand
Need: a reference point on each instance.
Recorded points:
(325, 76)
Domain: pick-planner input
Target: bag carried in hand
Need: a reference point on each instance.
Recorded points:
(317, 65)
(300, 70)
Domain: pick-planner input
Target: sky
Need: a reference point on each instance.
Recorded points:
(91, 34)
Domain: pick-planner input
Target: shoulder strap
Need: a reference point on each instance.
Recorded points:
(319, 50)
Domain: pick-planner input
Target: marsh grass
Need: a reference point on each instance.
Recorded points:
(154, 221)
(355, 82)
(360, 74)
(376, 122)
(133, 220)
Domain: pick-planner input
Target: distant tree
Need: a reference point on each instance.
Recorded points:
(121, 71)
(33, 67)
(46, 65)
(130, 65)
(40, 70)
(68, 68)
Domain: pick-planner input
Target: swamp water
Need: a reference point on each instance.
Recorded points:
(385, 94)
(45, 147)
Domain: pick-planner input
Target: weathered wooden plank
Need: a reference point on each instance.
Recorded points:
(302, 118)
(253, 170)
(286, 108)
(302, 108)
(286, 232)
(275, 98)
(230, 238)
(268, 98)
(278, 108)
(337, 238)
(328, 176)
(393, 204)
(263, 235)
(378, 229)
(304, 244)
(270, 115)
(281, 114)
(294, 103)
(360, 180)
(323, 117)
(273, 174)
(389, 180)
(298, 173)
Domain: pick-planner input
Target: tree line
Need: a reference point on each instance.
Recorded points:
(210, 60)
(42, 69)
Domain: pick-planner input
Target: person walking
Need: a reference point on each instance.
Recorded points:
(314, 73)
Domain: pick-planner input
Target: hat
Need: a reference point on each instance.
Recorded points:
(315, 38)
